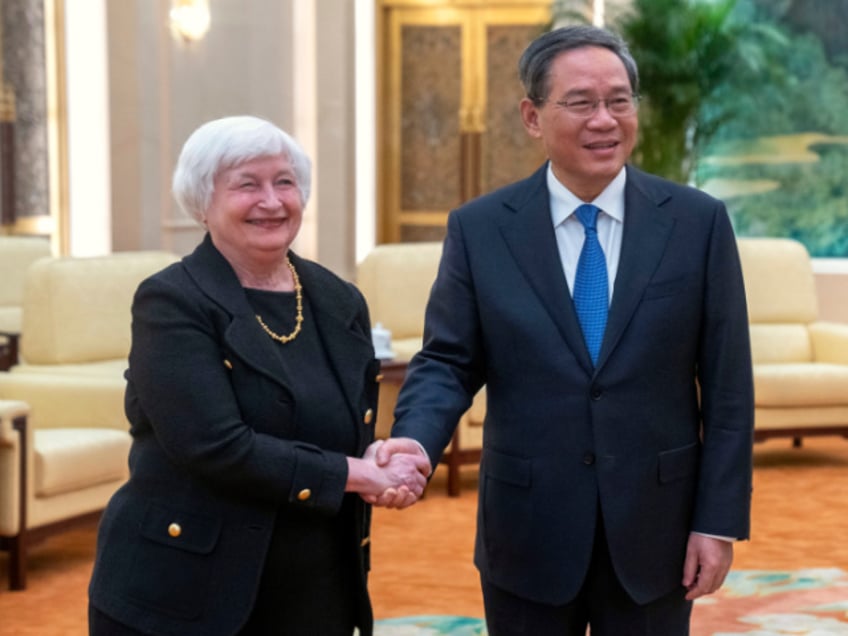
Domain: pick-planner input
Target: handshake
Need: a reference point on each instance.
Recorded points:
(392, 473)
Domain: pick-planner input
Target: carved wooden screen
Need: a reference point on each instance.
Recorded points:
(448, 110)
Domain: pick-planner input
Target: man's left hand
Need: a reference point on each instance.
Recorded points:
(707, 563)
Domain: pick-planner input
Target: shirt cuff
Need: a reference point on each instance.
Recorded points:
(716, 536)
(423, 451)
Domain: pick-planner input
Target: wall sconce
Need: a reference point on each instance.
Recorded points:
(190, 19)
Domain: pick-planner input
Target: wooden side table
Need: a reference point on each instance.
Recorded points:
(392, 374)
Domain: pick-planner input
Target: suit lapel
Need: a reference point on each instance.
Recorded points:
(646, 233)
(530, 237)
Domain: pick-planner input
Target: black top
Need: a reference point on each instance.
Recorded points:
(306, 542)
(306, 369)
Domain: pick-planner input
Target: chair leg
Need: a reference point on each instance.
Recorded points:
(454, 461)
(18, 561)
(454, 485)
(18, 544)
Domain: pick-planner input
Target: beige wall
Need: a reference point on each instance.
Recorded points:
(270, 58)
(832, 291)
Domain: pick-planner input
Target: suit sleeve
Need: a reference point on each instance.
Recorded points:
(444, 376)
(727, 394)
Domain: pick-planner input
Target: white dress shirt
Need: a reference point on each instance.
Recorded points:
(570, 232)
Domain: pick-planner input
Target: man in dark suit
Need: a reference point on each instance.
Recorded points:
(617, 459)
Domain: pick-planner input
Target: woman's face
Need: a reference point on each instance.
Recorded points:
(256, 210)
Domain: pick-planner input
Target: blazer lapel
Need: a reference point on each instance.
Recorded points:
(214, 275)
(333, 307)
(646, 233)
(530, 236)
(335, 310)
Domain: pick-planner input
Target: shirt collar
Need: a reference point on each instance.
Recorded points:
(564, 202)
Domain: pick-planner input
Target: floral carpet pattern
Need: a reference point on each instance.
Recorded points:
(808, 602)
(430, 626)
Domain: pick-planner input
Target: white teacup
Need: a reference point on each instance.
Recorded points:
(382, 339)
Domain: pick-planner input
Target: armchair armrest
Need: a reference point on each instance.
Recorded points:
(830, 342)
(11, 411)
(15, 447)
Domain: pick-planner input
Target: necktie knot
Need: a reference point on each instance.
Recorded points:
(588, 215)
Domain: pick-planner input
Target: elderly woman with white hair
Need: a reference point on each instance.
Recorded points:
(251, 395)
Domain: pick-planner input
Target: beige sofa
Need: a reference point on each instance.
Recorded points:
(396, 279)
(62, 463)
(800, 362)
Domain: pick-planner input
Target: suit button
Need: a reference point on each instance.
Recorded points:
(589, 459)
(175, 530)
(304, 494)
(368, 417)
(596, 394)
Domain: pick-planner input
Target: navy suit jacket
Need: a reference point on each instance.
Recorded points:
(658, 434)
(215, 448)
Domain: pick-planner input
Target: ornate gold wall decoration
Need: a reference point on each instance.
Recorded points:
(448, 121)
(33, 106)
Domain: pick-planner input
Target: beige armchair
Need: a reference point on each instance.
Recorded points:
(61, 464)
(800, 363)
(396, 279)
(17, 253)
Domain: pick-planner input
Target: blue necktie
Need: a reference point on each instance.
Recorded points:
(591, 287)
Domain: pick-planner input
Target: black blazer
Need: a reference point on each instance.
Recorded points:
(214, 450)
(633, 434)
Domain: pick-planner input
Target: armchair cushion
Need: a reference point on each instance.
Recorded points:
(830, 342)
(78, 309)
(780, 287)
(801, 384)
(68, 459)
(395, 279)
(17, 253)
(779, 343)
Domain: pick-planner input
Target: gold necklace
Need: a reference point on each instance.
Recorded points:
(298, 319)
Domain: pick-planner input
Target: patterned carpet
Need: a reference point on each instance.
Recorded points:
(810, 602)
(430, 626)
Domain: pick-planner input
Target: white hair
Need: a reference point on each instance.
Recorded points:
(221, 144)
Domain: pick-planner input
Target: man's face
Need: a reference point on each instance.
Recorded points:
(585, 153)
